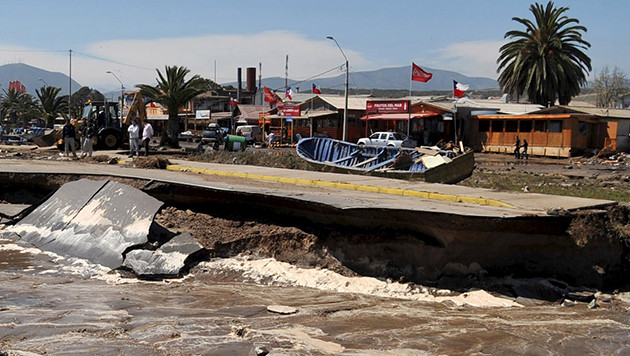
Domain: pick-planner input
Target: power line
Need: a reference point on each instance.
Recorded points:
(112, 61)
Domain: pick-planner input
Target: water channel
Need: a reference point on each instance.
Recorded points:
(52, 305)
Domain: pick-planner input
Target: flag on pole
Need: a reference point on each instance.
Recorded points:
(270, 96)
(287, 93)
(315, 90)
(459, 89)
(419, 75)
(233, 102)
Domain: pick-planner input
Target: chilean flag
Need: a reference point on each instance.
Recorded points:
(287, 93)
(315, 90)
(419, 75)
(459, 89)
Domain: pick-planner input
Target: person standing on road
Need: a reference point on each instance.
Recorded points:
(517, 148)
(87, 137)
(68, 135)
(147, 135)
(134, 137)
(524, 154)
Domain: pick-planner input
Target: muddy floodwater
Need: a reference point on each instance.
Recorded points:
(52, 305)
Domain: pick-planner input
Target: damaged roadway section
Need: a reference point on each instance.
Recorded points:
(99, 221)
(389, 228)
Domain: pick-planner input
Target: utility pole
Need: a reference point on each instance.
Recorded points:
(70, 87)
(345, 110)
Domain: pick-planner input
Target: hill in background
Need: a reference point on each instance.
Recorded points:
(386, 79)
(34, 78)
(382, 79)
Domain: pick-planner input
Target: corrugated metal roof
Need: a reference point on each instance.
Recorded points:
(601, 112)
(354, 102)
(505, 108)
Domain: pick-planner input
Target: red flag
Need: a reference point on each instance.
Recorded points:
(315, 90)
(419, 75)
(271, 97)
(233, 102)
(459, 89)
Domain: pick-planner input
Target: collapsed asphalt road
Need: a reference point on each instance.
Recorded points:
(106, 223)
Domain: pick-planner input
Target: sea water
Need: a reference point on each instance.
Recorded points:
(54, 305)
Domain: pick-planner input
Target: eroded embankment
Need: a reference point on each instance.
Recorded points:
(587, 248)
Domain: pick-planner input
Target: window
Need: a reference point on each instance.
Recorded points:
(540, 126)
(497, 126)
(484, 126)
(511, 125)
(583, 128)
(555, 126)
(526, 126)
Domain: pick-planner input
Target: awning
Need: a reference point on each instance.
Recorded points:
(311, 115)
(399, 116)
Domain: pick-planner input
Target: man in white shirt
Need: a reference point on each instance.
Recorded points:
(134, 138)
(147, 135)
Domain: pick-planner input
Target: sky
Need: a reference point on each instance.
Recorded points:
(135, 38)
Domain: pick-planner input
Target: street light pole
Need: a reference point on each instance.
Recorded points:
(122, 94)
(345, 109)
(42, 80)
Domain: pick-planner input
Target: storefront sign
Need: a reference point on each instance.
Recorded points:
(386, 106)
(290, 110)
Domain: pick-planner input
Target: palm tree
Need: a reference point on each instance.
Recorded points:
(19, 105)
(52, 106)
(173, 92)
(546, 60)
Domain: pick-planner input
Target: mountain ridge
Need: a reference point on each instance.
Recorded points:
(34, 78)
(385, 78)
(393, 78)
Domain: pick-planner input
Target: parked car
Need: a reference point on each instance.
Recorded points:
(252, 133)
(213, 137)
(13, 140)
(391, 139)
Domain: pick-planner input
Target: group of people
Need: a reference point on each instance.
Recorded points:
(139, 137)
(520, 151)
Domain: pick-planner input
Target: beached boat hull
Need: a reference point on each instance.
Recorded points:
(344, 157)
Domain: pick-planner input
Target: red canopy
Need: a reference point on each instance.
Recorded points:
(399, 116)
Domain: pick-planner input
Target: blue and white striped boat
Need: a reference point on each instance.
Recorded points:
(423, 163)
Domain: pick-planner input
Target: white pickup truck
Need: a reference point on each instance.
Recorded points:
(391, 139)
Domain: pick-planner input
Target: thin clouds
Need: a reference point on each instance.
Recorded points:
(135, 61)
(475, 58)
(229, 52)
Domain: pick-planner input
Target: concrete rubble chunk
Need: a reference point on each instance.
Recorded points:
(282, 309)
(93, 220)
(168, 260)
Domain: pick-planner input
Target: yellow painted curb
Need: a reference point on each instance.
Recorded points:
(347, 186)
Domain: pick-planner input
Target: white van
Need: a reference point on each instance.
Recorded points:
(252, 133)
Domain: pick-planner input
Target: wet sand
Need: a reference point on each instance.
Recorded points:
(53, 306)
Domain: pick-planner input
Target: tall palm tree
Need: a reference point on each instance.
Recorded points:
(51, 106)
(547, 60)
(173, 91)
(18, 105)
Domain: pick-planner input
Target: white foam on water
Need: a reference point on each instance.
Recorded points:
(268, 270)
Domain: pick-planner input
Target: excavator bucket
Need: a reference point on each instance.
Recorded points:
(48, 139)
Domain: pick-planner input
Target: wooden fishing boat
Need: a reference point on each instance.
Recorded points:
(422, 163)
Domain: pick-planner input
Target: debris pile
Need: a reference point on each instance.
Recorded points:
(106, 223)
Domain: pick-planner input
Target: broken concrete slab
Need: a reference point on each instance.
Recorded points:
(168, 260)
(94, 220)
(281, 309)
(9, 211)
